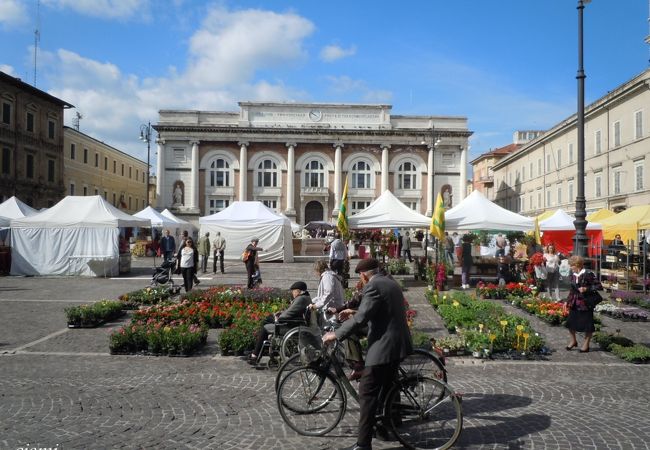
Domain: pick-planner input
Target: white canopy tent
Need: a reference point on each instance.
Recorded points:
(15, 209)
(181, 225)
(476, 212)
(560, 220)
(77, 236)
(242, 221)
(158, 220)
(387, 211)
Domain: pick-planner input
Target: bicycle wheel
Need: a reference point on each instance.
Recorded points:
(424, 413)
(289, 346)
(425, 364)
(287, 366)
(311, 401)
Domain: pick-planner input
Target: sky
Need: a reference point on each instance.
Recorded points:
(506, 65)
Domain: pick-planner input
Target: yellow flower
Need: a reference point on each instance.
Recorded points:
(503, 323)
(520, 327)
(456, 304)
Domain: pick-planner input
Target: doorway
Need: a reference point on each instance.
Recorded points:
(313, 212)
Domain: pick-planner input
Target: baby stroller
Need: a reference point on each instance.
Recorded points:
(162, 276)
(257, 276)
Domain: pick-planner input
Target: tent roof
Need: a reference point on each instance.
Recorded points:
(4, 221)
(476, 212)
(560, 220)
(637, 217)
(249, 213)
(599, 215)
(545, 215)
(157, 219)
(387, 211)
(81, 212)
(13, 208)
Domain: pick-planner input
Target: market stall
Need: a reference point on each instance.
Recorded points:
(77, 236)
(560, 231)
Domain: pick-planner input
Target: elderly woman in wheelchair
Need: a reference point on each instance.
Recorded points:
(275, 325)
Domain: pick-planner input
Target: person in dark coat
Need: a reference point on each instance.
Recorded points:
(466, 260)
(584, 285)
(167, 246)
(389, 341)
(251, 261)
(294, 315)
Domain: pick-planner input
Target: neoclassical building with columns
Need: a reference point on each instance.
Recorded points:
(295, 158)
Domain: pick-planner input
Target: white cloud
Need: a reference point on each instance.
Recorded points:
(7, 69)
(12, 13)
(109, 9)
(226, 54)
(349, 88)
(331, 53)
(232, 46)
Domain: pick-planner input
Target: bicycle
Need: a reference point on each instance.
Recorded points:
(421, 361)
(422, 412)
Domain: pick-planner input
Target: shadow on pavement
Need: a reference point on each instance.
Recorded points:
(484, 425)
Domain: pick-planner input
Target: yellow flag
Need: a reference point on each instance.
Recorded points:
(437, 227)
(342, 221)
(538, 236)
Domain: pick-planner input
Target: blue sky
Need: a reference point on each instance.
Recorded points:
(506, 65)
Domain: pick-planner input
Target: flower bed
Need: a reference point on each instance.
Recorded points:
(484, 326)
(628, 313)
(89, 316)
(146, 296)
(239, 309)
(623, 347)
(176, 338)
(491, 290)
(632, 298)
(551, 312)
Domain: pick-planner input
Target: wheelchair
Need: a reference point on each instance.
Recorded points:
(281, 344)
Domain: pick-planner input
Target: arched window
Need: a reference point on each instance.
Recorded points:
(219, 173)
(267, 174)
(361, 175)
(407, 176)
(314, 174)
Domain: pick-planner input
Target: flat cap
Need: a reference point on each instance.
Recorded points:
(367, 264)
(255, 239)
(299, 285)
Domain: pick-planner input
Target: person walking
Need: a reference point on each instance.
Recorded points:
(188, 263)
(583, 297)
(250, 259)
(449, 248)
(218, 249)
(389, 341)
(184, 238)
(330, 292)
(552, 271)
(466, 260)
(204, 251)
(406, 246)
(338, 254)
(167, 246)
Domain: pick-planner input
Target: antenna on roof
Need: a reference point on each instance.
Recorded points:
(37, 36)
(76, 120)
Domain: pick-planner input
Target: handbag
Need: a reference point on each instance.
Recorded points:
(245, 255)
(541, 272)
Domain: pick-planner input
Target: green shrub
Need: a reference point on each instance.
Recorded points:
(93, 314)
(146, 296)
(421, 340)
(637, 353)
(605, 341)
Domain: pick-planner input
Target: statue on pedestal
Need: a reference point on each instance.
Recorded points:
(178, 194)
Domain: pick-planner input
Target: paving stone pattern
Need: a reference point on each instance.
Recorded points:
(61, 388)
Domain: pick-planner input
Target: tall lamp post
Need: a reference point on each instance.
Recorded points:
(145, 136)
(580, 244)
(434, 144)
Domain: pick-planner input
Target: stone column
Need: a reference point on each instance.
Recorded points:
(337, 178)
(161, 189)
(430, 188)
(194, 197)
(291, 176)
(463, 172)
(384, 167)
(243, 171)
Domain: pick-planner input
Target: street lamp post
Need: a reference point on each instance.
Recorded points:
(145, 135)
(434, 144)
(580, 244)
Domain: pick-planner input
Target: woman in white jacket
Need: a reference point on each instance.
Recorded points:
(552, 271)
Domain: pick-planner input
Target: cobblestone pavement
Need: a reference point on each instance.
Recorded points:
(60, 388)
